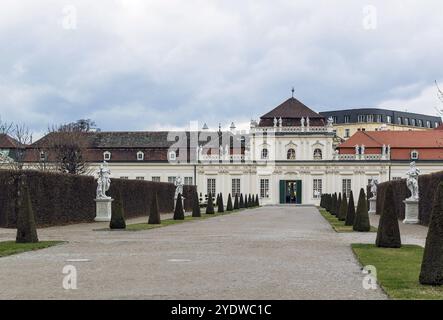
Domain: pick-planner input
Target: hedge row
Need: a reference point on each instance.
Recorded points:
(428, 184)
(60, 199)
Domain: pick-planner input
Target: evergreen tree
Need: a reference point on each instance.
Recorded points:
(242, 203)
(26, 229)
(196, 212)
(210, 206)
(343, 208)
(246, 202)
(388, 233)
(257, 201)
(118, 214)
(217, 200)
(250, 204)
(154, 213)
(236, 204)
(361, 221)
(179, 213)
(221, 206)
(337, 205)
(432, 264)
(350, 215)
(229, 204)
(333, 204)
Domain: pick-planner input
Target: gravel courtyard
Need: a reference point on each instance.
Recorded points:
(266, 253)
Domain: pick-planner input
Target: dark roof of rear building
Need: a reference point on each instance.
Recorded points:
(292, 109)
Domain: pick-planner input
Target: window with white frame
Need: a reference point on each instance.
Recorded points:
(106, 156)
(414, 155)
(172, 179)
(389, 119)
(370, 118)
(189, 181)
(264, 154)
(236, 187)
(396, 178)
(172, 155)
(140, 156)
(156, 179)
(317, 186)
(139, 178)
(124, 177)
(347, 119)
(346, 186)
(211, 186)
(264, 188)
(347, 133)
(42, 156)
(428, 124)
(361, 118)
(318, 155)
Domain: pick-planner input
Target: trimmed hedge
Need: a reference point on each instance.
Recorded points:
(60, 199)
(401, 192)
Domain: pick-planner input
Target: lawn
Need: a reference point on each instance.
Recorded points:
(168, 222)
(398, 271)
(8, 248)
(337, 225)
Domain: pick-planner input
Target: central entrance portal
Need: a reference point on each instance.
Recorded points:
(291, 191)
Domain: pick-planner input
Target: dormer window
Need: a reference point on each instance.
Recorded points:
(106, 156)
(414, 155)
(291, 154)
(318, 155)
(172, 155)
(140, 156)
(264, 154)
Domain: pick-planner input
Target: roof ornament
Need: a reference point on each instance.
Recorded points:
(293, 90)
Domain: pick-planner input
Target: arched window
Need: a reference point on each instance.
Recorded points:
(172, 155)
(106, 156)
(414, 155)
(291, 154)
(318, 155)
(140, 156)
(264, 154)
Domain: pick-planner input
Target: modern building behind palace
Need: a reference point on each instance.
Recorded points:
(292, 154)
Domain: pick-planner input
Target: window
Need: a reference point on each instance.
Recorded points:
(172, 179)
(264, 154)
(378, 118)
(413, 122)
(124, 178)
(347, 133)
(406, 121)
(318, 155)
(428, 124)
(140, 178)
(317, 188)
(42, 156)
(140, 156)
(291, 154)
(264, 188)
(420, 123)
(361, 118)
(347, 119)
(363, 129)
(172, 155)
(334, 119)
(346, 186)
(156, 179)
(370, 118)
(211, 186)
(189, 181)
(414, 155)
(388, 119)
(107, 156)
(436, 125)
(396, 178)
(235, 187)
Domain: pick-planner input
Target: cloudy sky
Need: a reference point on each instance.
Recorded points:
(157, 64)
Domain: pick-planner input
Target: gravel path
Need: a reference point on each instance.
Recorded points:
(265, 253)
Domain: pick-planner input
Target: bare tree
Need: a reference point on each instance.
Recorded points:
(440, 96)
(23, 136)
(5, 127)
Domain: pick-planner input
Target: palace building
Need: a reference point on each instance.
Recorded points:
(290, 155)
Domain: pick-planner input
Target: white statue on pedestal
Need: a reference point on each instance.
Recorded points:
(362, 149)
(412, 181)
(103, 181)
(275, 122)
(178, 187)
(357, 149)
(330, 122)
(374, 186)
(302, 121)
(280, 122)
(308, 122)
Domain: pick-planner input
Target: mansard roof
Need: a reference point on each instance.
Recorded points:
(292, 109)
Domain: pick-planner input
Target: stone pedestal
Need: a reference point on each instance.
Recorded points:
(103, 210)
(411, 211)
(373, 206)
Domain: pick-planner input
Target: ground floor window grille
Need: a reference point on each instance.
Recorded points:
(317, 188)
(264, 188)
(211, 187)
(140, 178)
(172, 179)
(235, 187)
(347, 185)
(156, 179)
(189, 181)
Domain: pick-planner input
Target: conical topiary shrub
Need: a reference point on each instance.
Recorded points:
(350, 215)
(196, 212)
(210, 206)
(236, 204)
(388, 233)
(217, 200)
(229, 206)
(337, 205)
(179, 213)
(154, 213)
(246, 202)
(343, 208)
(333, 204)
(118, 214)
(432, 264)
(221, 206)
(242, 202)
(257, 201)
(250, 204)
(26, 229)
(361, 221)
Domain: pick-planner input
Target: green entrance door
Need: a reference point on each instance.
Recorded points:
(291, 191)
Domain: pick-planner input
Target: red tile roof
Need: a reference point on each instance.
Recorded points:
(7, 142)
